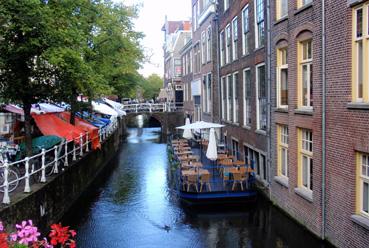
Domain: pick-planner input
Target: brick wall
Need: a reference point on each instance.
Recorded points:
(347, 132)
(288, 29)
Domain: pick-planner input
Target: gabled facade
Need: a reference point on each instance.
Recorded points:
(176, 36)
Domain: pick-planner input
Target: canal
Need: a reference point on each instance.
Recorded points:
(134, 205)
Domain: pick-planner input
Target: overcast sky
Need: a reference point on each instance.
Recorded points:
(150, 21)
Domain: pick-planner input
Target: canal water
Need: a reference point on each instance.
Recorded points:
(134, 205)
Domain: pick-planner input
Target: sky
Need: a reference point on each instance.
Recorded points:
(150, 21)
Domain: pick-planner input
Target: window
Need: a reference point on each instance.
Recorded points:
(226, 5)
(222, 48)
(197, 55)
(261, 93)
(306, 159)
(204, 94)
(259, 24)
(363, 189)
(306, 75)
(235, 149)
(235, 38)
(194, 14)
(235, 97)
(360, 43)
(282, 78)
(224, 95)
(228, 44)
(208, 54)
(247, 98)
(203, 47)
(281, 8)
(229, 98)
(190, 62)
(208, 93)
(245, 31)
(257, 161)
(302, 3)
(282, 133)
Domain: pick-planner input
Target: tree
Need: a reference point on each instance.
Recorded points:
(151, 86)
(56, 50)
(25, 74)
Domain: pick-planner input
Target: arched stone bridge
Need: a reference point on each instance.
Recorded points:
(168, 115)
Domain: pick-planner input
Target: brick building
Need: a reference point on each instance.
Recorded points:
(243, 80)
(297, 110)
(205, 70)
(291, 85)
(176, 35)
(187, 77)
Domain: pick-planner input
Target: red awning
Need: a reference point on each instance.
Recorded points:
(49, 124)
(93, 131)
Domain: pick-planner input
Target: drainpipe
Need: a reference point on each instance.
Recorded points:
(324, 108)
(269, 136)
(218, 62)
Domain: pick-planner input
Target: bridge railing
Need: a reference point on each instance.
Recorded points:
(38, 168)
(153, 107)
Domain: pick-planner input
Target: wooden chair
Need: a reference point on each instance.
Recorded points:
(225, 175)
(237, 178)
(205, 180)
(192, 180)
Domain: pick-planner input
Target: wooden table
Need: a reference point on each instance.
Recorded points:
(193, 172)
(180, 153)
(239, 163)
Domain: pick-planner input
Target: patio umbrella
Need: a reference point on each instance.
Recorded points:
(212, 152)
(200, 125)
(187, 134)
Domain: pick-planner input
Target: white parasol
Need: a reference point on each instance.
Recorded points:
(187, 134)
(212, 152)
(201, 125)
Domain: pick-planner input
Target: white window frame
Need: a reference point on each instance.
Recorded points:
(280, 68)
(309, 156)
(283, 146)
(222, 47)
(208, 92)
(228, 44)
(235, 97)
(226, 5)
(229, 110)
(363, 179)
(246, 99)
(257, 96)
(357, 41)
(223, 86)
(203, 48)
(279, 9)
(245, 32)
(208, 45)
(257, 23)
(204, 94)
(235, 38)
(309, 63)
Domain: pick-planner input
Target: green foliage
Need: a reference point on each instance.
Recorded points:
(151, 86)
(57, 50)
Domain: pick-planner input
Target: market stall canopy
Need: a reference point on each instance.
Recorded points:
(50, 124)
(201, 125)
(39, 143)
(48, 108)
(18, 110)
(116, 106)
(93, 131)
(103, 109)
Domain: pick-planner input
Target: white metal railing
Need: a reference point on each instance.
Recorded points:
(60, 159)
(153, 107)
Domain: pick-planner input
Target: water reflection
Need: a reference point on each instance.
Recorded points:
(134, 205)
